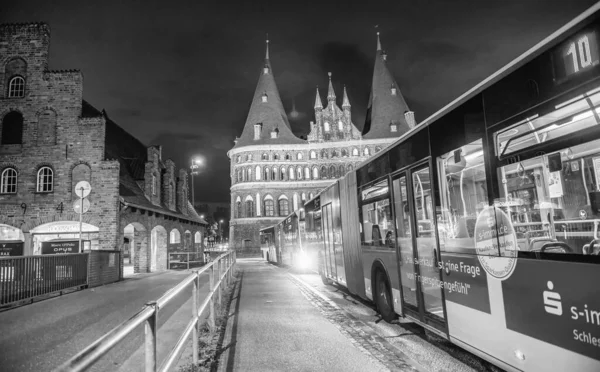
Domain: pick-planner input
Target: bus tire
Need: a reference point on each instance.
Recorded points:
(383, 297)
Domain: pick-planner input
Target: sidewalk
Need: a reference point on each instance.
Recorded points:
(274, 327)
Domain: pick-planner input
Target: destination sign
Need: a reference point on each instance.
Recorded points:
(576, 55)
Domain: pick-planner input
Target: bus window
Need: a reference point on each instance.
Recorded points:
(463, 196)
(553, 200)
(377, 223)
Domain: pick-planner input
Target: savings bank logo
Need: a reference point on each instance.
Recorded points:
(552, 301)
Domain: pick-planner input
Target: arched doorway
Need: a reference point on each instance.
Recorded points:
(134, 249)
(198, 241)
(158, 251)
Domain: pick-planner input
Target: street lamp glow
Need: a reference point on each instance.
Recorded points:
(201, 216)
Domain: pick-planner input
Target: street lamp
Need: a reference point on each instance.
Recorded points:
(197, 162)
(220, 231)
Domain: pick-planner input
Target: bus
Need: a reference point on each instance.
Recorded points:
(481, 224)
(268, 244)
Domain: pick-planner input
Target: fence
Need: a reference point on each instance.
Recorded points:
(23, 278)
(185, 260)
(221, 268)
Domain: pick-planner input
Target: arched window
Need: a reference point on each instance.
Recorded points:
(45, 180)
(341, 172)
(299, 173)
(323, 172)
(276, 157)
(175, 237)
(266, 174)
(235, 178)
(241, 175)
(355, 152)
(16, 87)
(238, 207)
(366, 151)
(12, 129)
(313, 154)
(299, 156)
(269, 206)
(344, 153)
(274, 174)
(249, 157)
(315, 172)
(8, 181)
(284, 207)
(324, 154)
(303, 197)
(249, 174)
(326, 126)
(288, 157)
(295, 202)
(311, 195)
(349, 167)
(249, 207)
(282, 174)
(257, 173)
(334, 154)
(332, 172)
(306, 173)
(265, 156)
(292, 174)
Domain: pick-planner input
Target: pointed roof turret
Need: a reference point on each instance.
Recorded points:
(267, 109)
(330, 91)
(386, 104)
(318, 104)
(346, 102)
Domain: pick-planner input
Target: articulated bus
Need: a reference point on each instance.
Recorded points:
(288, 243)
(481, 224)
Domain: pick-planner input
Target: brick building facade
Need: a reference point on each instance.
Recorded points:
(50, 139)
(273, 172)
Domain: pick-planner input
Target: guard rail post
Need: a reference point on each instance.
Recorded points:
(188, 260)
(150, 342)
(211, 318)
(219, 278)
(196, 329)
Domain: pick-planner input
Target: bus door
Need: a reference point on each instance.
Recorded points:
(417, 247)
(327, 221)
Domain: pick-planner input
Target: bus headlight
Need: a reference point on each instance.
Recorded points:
(303, 261)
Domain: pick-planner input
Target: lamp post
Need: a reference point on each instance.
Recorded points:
(197, 162)
(220, 231)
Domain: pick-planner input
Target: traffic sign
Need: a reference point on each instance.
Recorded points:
(77, 205)
(83, 188)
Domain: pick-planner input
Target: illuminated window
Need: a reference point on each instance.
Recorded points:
(292, 174)
(265, 156)
(8, 181)
(258, 173)
(175, 237)
(266, 174)
(299, 173)
(16, 87)
(355, 152)
(313, 154)
(307, 173)
(284, 207)
(269, 208)
(315, 173)
(340, 126)
(45, 180)
(326, 126)
(366, 151)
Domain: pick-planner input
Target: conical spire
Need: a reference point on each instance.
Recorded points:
(386, 104)
(330, 91)
(318, 104)
(346, 102)
(267, 109)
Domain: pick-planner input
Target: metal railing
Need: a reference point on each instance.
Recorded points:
(26, 277)
(221, 268)
(185, 260)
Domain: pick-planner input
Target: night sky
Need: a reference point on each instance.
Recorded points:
(182, 74)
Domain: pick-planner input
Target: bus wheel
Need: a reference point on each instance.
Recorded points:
(383, 297)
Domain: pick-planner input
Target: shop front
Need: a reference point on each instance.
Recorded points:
(63, 237)
(12, 241)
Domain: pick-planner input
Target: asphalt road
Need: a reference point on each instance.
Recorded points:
(41, 336)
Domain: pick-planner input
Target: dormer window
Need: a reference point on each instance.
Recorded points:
(16, 87)
(257, 130)
(393, 89)
(275, 133)
(264, 97)
(384, 55)
(266, 69)
(326, 126)
(393, 127)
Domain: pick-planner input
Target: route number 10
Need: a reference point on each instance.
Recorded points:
(585, 54)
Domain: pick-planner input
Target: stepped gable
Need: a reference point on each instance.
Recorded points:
(384, 106)
(267, 111)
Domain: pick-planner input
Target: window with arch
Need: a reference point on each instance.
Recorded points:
(274, 174)
(239, 159)
(295, 202)
(299, 173)
(292, 173)
(16, 87)
(266, 173)
(333, 172)
(249, 157)
(306, 173)
(313, 154)
(238, 206)
(323, 172)
(366, 151)
(249, 207)
(249, 174)
(282, 174)
(311, 195)
(241, 175)
(349, 167)
(324, 154)
(45, 180)
(344, 153)
(258, 173)
(355, 152)
(12, 128)
(326, 126)
(300, 156)
(288, 157)
(303, 197)
(269, 206)
(8, 181)
(174, 237)
(276, 157)
(315, 173)
(284, 207)
(341, 171)
(340, 126)
(334, 154)
(265, 156)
